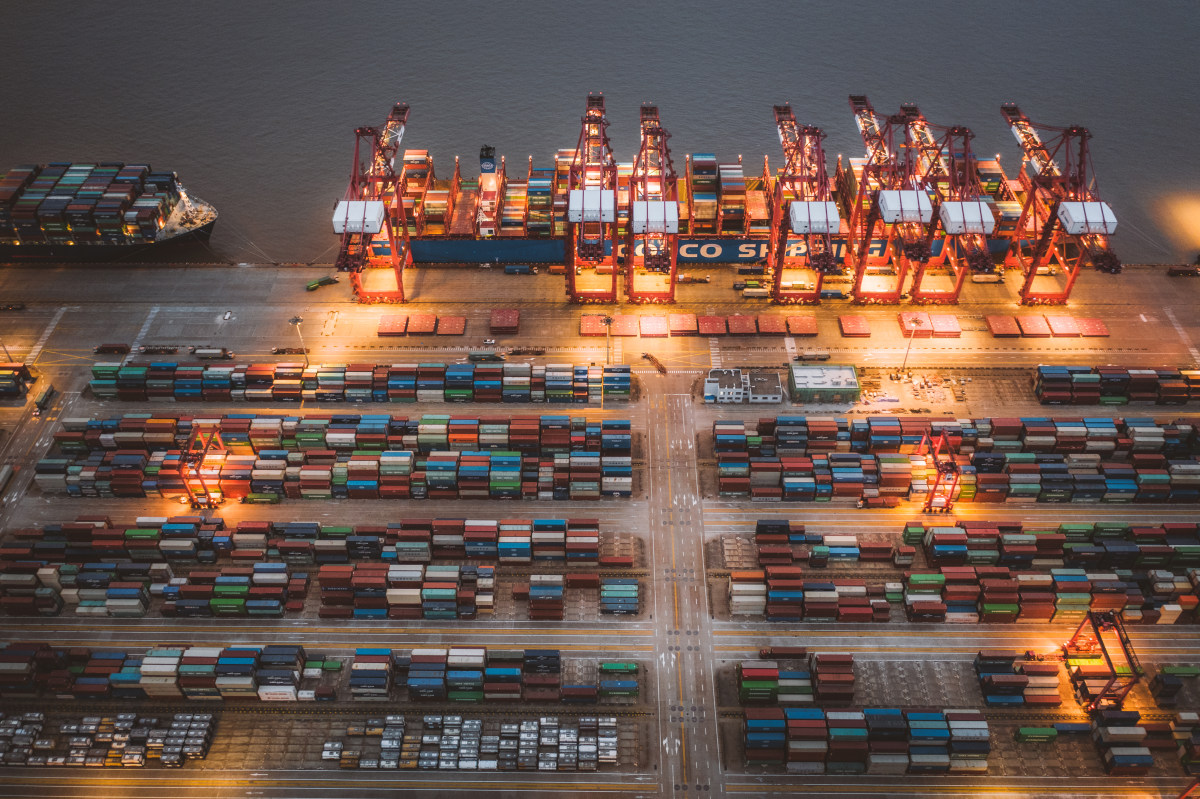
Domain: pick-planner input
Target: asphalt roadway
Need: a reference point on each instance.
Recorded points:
(686, 648)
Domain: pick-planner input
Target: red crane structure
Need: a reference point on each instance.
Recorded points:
(1101, 638)
(373, 209)
(652, 234)
(802, 204)
(1064, 225)
(941, 449)
(891, 203)
(202, 491)
(957, 240)
(591, 241)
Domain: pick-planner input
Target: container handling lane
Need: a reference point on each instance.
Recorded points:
(687, 699)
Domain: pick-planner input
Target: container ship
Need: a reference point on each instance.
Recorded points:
(912, 219)
(95, 212)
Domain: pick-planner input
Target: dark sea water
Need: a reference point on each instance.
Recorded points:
(254, 103)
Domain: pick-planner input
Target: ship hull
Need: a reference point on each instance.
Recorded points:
(102, 253)
(745, 250)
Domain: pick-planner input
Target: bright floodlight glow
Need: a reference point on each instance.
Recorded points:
(1180, 213)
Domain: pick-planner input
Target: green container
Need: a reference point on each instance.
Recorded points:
(1036, 734)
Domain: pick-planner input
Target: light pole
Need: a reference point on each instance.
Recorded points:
(916, 323)
(295, 322)
(607, 320)
(7, 357)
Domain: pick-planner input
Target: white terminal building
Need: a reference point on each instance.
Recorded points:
(736, 386)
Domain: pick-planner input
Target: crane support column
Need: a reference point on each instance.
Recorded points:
(802, 205)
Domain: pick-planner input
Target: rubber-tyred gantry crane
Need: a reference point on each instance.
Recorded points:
(372, 212)
(652, 234)
(202, 491)
(1063, 224)
(802, 204)
(941, 450)
(591, 241)
(892, 203)
(1100, 657)
(957, 241)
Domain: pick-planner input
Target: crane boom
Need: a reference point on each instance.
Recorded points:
(654, 214)
(1063, 222)
(802, 204)
(373, 207)
(591, 206)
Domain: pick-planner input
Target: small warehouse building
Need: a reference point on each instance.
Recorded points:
(738, 386)
(823, 384)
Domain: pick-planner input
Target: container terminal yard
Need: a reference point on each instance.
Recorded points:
(256, 528)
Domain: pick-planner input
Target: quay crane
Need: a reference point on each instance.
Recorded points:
(890, 198)
(961, 221)
(1063, 224)
(592, 209)
(373, 208)
(802, 204)
(653, 230)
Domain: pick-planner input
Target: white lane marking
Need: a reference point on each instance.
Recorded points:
(714, 353)
(36, 352)
(137, 341)
(1187, 342)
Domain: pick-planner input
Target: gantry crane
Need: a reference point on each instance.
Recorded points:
(651, 238)
(1115, 669)
(939, 448)
(802, 204)
(890, 202)
(1063, 224)
(957, 239)
(373, 209)
(591, 240)
(205, 439)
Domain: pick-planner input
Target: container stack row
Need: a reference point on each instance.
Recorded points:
(347, 457)
(1013, 679)
(287, 673)
(783, 542)
(1112, 545)
(252, 433)
(1115, 385)
(1127, 743)
(780, 593)
(188, 541)
(382, 591)
(815, 741)
(996, 595)
(365, 382)
(998, 460)
(268, 673)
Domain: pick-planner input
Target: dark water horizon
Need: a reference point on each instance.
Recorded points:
(254, 104)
